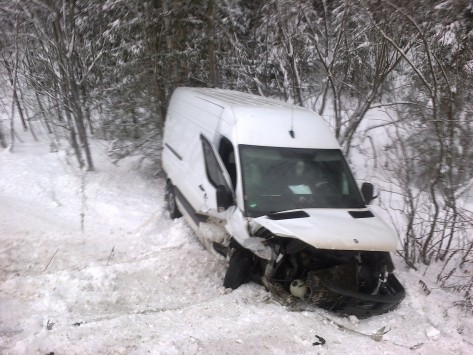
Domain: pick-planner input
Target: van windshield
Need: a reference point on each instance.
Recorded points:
(280, 179)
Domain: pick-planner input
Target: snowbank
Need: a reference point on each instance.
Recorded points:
(133, 281)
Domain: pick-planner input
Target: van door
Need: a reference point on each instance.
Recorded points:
(216, 188)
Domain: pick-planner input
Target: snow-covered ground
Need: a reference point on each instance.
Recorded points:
(135, 282)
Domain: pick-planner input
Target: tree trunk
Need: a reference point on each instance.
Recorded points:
(73, 140)
(70, 90)
(79, 120)
(13, 82)
(3, 142)
(211, 46)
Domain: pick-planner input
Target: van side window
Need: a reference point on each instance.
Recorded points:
(227, 153)
(214, 174)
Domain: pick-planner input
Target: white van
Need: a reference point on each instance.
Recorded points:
(265, 184)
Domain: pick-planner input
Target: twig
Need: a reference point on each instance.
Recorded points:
(111, 253)
(52, 257)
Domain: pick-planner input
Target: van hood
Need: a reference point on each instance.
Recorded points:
(338, 229)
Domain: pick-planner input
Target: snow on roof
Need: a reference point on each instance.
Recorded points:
(238, 98)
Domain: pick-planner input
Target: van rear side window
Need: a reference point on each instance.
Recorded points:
(227, 153)
(214, 173)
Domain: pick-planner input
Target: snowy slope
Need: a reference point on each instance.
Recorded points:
(135, 282)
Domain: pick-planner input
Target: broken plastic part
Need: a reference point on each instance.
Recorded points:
(237, 226)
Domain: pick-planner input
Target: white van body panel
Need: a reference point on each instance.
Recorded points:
(335, 229)
(183, 157)
(237, 226)
(270, 127)
(246, 119)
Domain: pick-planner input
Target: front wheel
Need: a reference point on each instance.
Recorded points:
(171, 205)
(240, 269)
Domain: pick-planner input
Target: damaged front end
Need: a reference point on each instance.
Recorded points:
(305, 269)
(347, 282)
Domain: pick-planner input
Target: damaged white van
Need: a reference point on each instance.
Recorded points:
(265, 184)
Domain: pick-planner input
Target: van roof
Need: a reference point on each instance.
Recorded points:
(237, 98)
(258, 120)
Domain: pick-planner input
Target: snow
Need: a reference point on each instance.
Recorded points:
(135, 282)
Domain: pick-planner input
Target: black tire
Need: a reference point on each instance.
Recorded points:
(171, 205)
(240, 269)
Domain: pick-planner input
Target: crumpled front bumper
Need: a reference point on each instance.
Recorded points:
(343, 300)
(341, 289)
(364, 305)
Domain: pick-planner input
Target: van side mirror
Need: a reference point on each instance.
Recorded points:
(224, 198)
(367, 190)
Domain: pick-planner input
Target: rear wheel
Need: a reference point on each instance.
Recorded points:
(170, 197)
(240, 269)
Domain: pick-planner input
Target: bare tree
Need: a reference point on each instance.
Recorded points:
(357, 62)
(434, 147)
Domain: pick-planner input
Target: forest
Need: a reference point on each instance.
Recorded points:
(105, 69)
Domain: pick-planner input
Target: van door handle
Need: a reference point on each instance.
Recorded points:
(201, 187)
